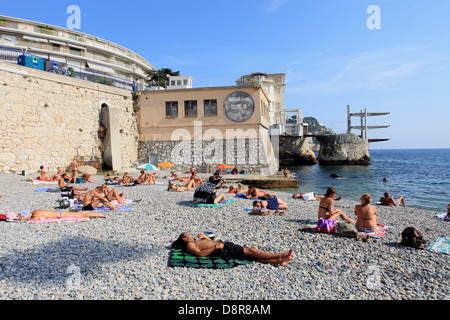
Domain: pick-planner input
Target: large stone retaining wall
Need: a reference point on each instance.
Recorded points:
(249, 155)
(48, 119)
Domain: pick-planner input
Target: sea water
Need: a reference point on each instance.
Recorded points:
(422, 176)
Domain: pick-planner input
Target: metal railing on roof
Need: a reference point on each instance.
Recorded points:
(12, 56)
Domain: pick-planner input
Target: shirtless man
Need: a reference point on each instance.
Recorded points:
(253, 193)
(366, 215)
(389, 200)
(113, 194)
(58, 214)
(204, 247)
(65, 187)
(94, 198)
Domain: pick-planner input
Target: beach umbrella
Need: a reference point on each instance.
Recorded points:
(147, 166)
(87, 169)
(166, 165)
(224, 166)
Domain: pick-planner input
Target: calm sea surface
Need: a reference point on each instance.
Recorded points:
(422, 176)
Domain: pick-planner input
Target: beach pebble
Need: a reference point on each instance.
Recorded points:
(126, 255)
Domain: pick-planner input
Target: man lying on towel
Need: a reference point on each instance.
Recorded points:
(204, 247)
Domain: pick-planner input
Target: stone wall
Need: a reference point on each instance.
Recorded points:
(248, 154)
(48, 119)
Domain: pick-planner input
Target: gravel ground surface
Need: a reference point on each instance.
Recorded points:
(125, 256)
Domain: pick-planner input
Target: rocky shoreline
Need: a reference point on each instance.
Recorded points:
(125, 256)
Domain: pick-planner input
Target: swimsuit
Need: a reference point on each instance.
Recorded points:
(88, 207)
(67, 188)
(365, 229)
(230, 251)
(272, 203)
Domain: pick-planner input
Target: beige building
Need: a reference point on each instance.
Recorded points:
(206, 127)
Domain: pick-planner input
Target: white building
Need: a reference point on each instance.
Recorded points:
(79, 50)
(280, 121)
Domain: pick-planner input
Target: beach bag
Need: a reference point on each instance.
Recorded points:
(346, 230)
(325, 226)
(411, 237)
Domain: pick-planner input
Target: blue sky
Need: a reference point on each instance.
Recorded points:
(330, 57)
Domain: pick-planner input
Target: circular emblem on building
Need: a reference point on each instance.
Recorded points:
(239, 106)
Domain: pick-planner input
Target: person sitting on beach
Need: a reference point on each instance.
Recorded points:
(126, 179)
(205, 247)
(37, 215)
(65, 186)
(286, 173)
(328, 212)
(113, 194)
(215, 198)
(235, 170)
(366, 215)
(316, 196)
(86, 177)
(253, 193)
(42, 177)
(389, 200)
(446, 217)
(192, 171)
(142, 179)
(94, 198)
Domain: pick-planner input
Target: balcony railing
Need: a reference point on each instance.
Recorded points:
(12, 56)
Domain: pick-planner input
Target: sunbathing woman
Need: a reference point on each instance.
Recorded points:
(326, 210)
(58, 214)
(366, 215)
(42, 177)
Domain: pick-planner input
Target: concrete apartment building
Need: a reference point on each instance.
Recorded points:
(206, 127)
(81, 51)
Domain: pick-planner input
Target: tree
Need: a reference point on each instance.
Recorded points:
(160, 77)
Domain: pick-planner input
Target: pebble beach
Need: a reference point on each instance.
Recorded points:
(125, 256)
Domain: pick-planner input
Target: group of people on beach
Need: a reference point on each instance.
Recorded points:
(366, 214)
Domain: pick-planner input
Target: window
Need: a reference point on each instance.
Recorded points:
(172, 109)
(210, 107)
(76, 52)
(190, 108)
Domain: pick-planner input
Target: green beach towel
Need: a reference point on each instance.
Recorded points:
(179, 258)
(215, 205)
(442, 245)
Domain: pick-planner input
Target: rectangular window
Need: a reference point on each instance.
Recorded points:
(190, 108)
(210, 107)
(172, 109)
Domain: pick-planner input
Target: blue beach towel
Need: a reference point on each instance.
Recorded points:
(442, 245)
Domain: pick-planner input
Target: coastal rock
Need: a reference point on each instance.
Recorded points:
(296, 151)
(343, 149)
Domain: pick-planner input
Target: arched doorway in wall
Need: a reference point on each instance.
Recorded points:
(110, 142)
(105, 137)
